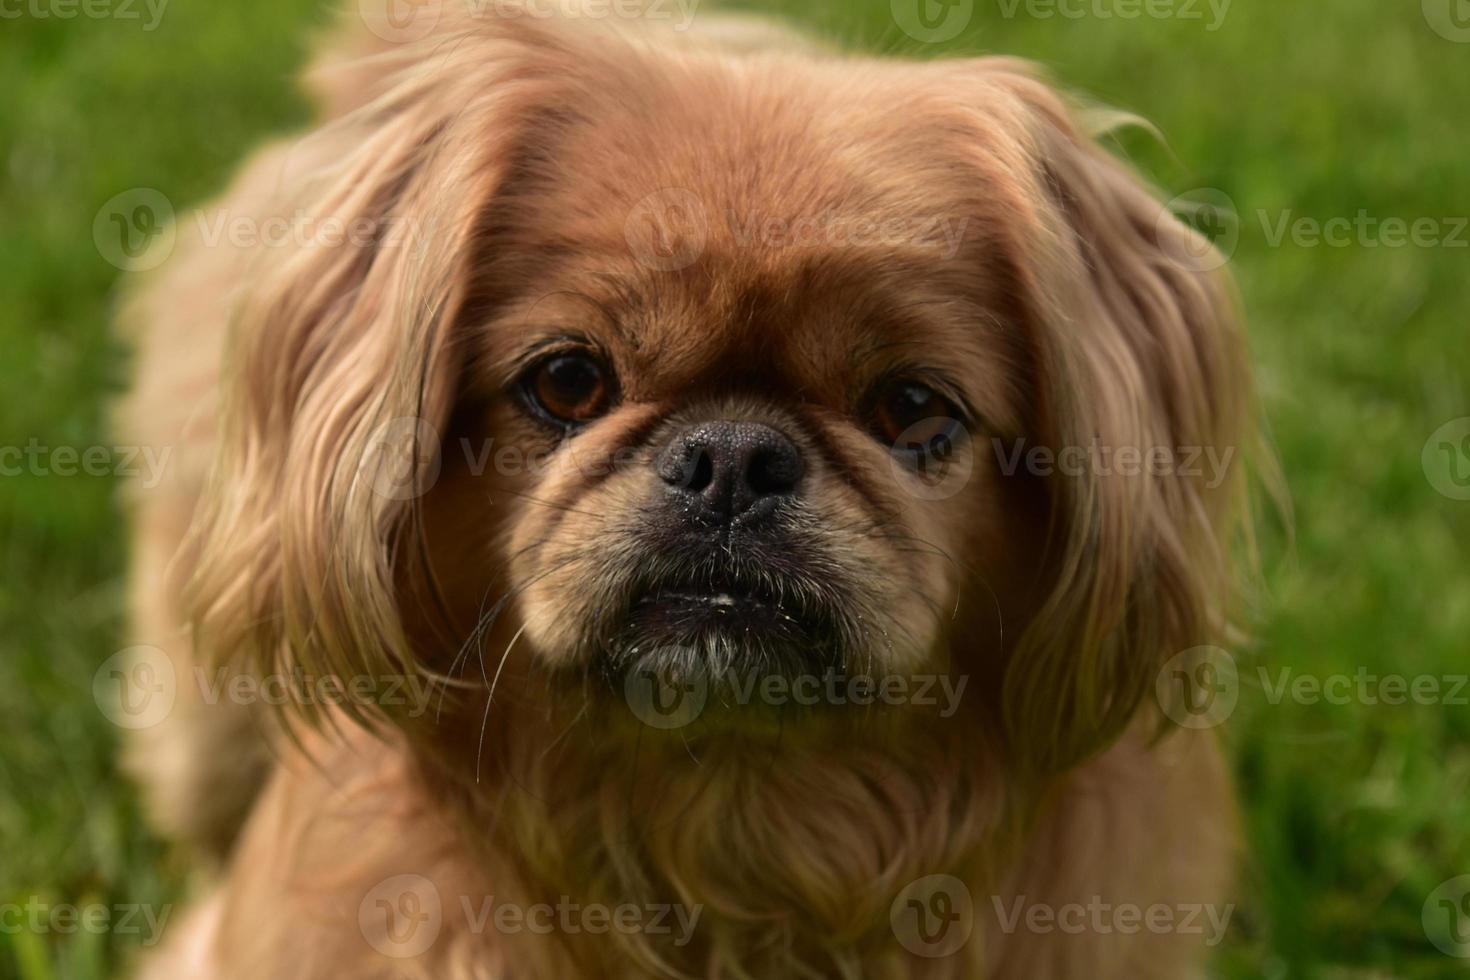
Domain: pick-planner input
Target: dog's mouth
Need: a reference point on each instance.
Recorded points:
(726, 620)
(723, 602)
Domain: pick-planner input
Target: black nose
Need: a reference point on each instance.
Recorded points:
(725, 469)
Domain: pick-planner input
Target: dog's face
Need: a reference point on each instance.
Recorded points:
(718, 359)
(733, 399)
(753, 452)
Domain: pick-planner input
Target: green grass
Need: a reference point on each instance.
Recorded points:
(1354, 813)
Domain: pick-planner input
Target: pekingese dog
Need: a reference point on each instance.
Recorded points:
(663, 503)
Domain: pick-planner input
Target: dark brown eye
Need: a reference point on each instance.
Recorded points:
(909, 415)
(570, 389)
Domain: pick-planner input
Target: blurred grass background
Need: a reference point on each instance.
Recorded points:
(1354, 814)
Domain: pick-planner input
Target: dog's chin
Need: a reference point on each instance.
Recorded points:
(721, 629)
(729, 638)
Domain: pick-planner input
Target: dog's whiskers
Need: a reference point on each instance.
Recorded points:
(490, 700)
(486, 621)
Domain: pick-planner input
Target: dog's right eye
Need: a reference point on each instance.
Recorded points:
(908, 411)
(569, 389)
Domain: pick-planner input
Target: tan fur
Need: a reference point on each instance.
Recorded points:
(507, 155)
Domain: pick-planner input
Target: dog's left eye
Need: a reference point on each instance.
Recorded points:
(907, 413)
(569, 388)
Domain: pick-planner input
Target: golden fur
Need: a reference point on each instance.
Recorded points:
(502, 157)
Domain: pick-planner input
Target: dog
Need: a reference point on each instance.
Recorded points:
(640, 473)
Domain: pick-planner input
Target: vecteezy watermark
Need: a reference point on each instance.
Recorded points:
(1365, 687)
(1446, 917)
(65, 918)
(302, 229)
(147, 12)
(1213, 214)
(404, 458)
(146, 463)
(1450, 19)
(672, 228)
(296, 687)
(138, 687)
(1210, 12)
(932, 21)
(665, 700)
(1446, 459)
(938, 234)
(1096, 916)
(933, 916)
(137, 230)
(1210, 462)
(1198, 687)
(403, 916)
(403, 21)
(1363, 230)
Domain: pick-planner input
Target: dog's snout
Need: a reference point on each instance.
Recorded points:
(727, 468)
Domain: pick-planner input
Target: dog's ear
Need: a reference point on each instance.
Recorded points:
(1139, 349)
(341, 366)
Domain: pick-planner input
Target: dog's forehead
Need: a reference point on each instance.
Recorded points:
(764, 230)
(758, 160)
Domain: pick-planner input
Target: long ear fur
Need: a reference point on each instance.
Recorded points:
(1140, 346)
(341, 352)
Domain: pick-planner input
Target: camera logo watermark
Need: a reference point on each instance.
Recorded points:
(663, 700)
(933, 21)
(401, 916)
(933, 459)
(933, 916)
(667, 230)
(402, 458)
(1446, 917)
(1446, 459)
(1211, 213)
(134, 230)
(135, 688)
(400, 21)
(1198, 687)
(1450, 19)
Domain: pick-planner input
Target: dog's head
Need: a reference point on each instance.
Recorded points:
(665, 359)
